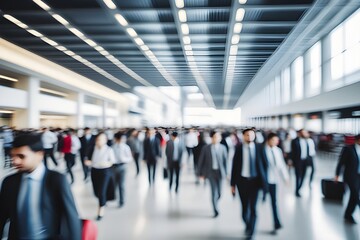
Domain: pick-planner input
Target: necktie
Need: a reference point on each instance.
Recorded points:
(273, 155)
(26, 216)
(252, 164)
(307, 149)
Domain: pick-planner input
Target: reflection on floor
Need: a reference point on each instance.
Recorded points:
(155, 213)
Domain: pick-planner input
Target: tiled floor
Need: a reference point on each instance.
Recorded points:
(155, 213)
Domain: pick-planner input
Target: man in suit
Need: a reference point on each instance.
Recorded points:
(248, 175)
(37, 201)
(87, 143)
(350, 160)
(174, 151)
(151, 153)
(302, 153)
(212, 165)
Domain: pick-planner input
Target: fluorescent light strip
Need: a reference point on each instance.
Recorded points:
(60, 19)
(76, 32)
(121, 20)
(235, 39)
(6, 111)
(233, 50)
(179, 3)
(8, 78)
(54, 92)
(185, 29)
(139, 41)
(186, 40)
(237, 27)
(42, 5)
(188, 47)
(182, 16)
(131, 32)
(35, 33)
(242, 1)
(144, 48)
(240, 13)
(110, 4)
(49, 41)
(61, 48)
(90, 42)
(15, 21)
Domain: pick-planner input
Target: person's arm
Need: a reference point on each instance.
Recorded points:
(280, 162)
(70, 213)
(128, 157)
(200, 171)
(341, 163)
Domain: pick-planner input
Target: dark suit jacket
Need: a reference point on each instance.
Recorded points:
(86, 146)
(151, 150)
(349, 160)
(206, 161)
(296, 151)
(170, 151)
(260, 165)
(58, 209)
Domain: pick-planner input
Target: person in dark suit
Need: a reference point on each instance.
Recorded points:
(174, 151)
(37, 201)
(249, 176)
(151, 153)
(350, 161)
(87, 143)
(197, 152)
(212, 165)
(302, 154)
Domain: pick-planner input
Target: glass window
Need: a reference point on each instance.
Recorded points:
(337, 68)
(277, 91)
(352, 59)
(298, 78)
(352, 30)
(285, 82)
(337, 41)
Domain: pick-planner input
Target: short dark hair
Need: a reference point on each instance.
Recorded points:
(212, 133)
(86, 128)
(248, 129)
(118, 135)
(174, 134)
(32, 140)
(271, 135)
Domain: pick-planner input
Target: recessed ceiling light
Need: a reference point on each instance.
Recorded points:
(139, 41)
(8, 78)
(240, 13)
(15, 21)
(179, 3)
(235, 39)
(233, 50)
(185, 29)
(42, 5)
(131, 32)
(187, 47)
(186, 40)
(110, 4)
(60, 19)
(35, 33)
(189, 53)
(237, 27)
(242, 1)
(121, 19)
(182, 16)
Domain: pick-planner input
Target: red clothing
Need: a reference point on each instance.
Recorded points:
(66, 144)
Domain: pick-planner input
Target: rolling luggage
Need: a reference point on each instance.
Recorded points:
(332, 190)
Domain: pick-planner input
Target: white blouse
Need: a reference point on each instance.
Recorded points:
(103, 157)
(276, 167)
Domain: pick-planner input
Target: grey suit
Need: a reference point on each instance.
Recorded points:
(174, 164)
(215, 175)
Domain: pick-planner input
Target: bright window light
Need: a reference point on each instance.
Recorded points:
(185, 29)
(188, 47)
(179, 3)
(131, 32)
(60, 19)
(237, 27)
(186, 40)
(139, 41)
(76, 32)
(42, 5)
(49, 41)
(35, 33)
(233, 50)
(121, 19)
(110, 4)
(235, 39)
(15, 21)
(90, 42)
(240, 13)
(182, 16)
(8, 78)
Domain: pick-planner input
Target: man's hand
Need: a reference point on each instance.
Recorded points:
(87, 162)
(233, 191)
(336, 178)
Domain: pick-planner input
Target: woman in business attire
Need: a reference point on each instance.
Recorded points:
(101, 161)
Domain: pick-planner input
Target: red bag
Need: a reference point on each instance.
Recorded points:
(89, 230)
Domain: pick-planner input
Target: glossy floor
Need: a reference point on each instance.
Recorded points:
(155, 213)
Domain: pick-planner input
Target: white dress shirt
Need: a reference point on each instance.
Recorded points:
(48, 139)
(357, 149)
(246, 158)
(176, 150)
(122, 153)
(103, 157)
(276, 166)
(303, 147)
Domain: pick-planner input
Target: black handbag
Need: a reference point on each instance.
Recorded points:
(165, 173)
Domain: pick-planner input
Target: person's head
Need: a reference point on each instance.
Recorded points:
(248, 135)
(215, 137)
(174, 135)
(27, 152)
(120, 137)
(44, 129)
(101, 139)
(87, 131)
(357, 139)
(272, 139)
(304, 133)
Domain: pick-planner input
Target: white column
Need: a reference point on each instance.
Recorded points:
(104, 114)
(80, 112)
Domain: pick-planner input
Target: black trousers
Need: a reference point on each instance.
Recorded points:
(85, 168)
(248, 190)
(300, 172)
(119, 178)
(272, 191)
(354, 199)
(215, 184)
(151, 167)
(101, 179)
(49, 152)
(174, 168)
(70, 162)
(137, 164)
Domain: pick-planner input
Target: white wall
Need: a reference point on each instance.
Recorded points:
(57, 105)
(12, 98)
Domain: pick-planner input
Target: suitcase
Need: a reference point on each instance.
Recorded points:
(332, 190)
(89, 230)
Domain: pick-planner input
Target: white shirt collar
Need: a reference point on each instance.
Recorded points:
(38, 173)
